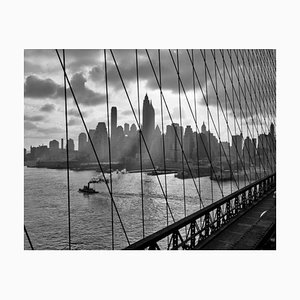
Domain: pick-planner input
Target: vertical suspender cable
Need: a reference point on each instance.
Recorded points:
(206, 103)
(170, 116)
(92, 144)
(242, 52)
(218, 114)
(226, 109)
(196, 121)
(140, 139)
(241, 119)
(208, 124)
(139, 126)
(258, 87)
(253, 147)
(241, 110)
(235, 146)
(109, 151)
(67, 149)
(163, 137)
(181, 135)
(234, 89)
(214, 88)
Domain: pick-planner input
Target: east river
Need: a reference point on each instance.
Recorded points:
(46, 207)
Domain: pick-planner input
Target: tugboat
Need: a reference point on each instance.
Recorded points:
(87, 190)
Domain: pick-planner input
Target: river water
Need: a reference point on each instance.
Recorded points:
(46, 208)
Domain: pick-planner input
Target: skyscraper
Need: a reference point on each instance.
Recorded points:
(126, 129)
(82, 141)
(54, 144)
(188, 141)
(113, 120)
(100, 140)
(237, 145)
(203, 128)
(148, 117)
(71, 146)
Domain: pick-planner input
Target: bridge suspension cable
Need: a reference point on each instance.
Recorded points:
(109, 150)
(93, 147)
(139, 126)
(67, 151)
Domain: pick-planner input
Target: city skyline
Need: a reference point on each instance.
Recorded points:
(44, 104)
(121, 144)
(148, 119)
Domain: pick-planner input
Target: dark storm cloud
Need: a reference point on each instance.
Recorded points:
(126, 61)
(36, 118)
(78, 58)
(38, 88)
(84, 94)
(221, 71)
(48, 107)
(40, 61)
(96, 74)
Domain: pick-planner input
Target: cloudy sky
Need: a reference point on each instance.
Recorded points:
(44, 90)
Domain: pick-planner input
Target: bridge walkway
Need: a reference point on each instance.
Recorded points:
(250, 231)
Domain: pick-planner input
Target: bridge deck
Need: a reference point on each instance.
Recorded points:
(249, 231)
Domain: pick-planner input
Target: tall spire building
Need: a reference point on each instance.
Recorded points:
(113, 118)
(148, 118)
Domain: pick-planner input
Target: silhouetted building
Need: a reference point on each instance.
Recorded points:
(133, 130)
(71, 146)
(172, 139)
(203, 128)
(272, 139)
(212, 145)
(113, 119)
(188, 143)
(39, 152)
(266, 143)
(126, 129)
(148, 118)
(100, 141)
(82, 142)
(91, 133)
(203, 147)
(54, 145)
(249, 151)
(225, 149)
(237, 145)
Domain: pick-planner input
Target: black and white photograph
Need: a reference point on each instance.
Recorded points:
(150, 149)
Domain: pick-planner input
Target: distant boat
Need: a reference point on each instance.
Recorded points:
(87, 190)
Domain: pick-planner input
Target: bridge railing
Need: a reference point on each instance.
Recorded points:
(188, 232)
